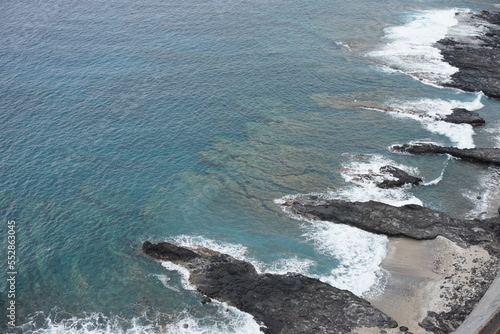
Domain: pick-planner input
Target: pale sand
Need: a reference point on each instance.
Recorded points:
(424, 276)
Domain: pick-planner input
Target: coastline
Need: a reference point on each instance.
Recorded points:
(431, 276)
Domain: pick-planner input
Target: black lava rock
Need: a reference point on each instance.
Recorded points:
(290, 303)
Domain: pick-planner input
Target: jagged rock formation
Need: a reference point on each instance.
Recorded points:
(290, 303)
(482, 155)
(461, 115)
(412, 221)
(386, 177)
(476, 57)
(398, 178)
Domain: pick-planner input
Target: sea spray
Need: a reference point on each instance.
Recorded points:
(224, 320)
(357, 256)
(431, 112)
(440, 177)
(281, 266)
(362, 189)
(410, 47)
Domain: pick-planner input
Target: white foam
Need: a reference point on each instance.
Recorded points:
(435, 108)
(235, 322)
(183, 272)
(429, 113)
(240, 252)
(164, 280)
(440, 177)
(487, 197)
(359, 261)
(94, 323)
(410, 47)
(460, 134)
(359, 254)
(363, 190)
(342, 44)
(468, 28)
(293, 265)
(227, 320)
(237, 251)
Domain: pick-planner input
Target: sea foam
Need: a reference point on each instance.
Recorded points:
(410, 47)
(359, 254)
(363, 190)
(281, 266)
(226, 320)
(429, 113)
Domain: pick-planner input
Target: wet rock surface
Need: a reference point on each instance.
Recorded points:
(461, 115)
(398, 178)
(476, 57)
(385, 177)
(412, 221)
(481, 155)
(290, 303)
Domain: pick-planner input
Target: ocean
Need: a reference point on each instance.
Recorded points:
(189, 122)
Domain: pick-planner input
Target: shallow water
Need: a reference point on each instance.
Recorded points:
(127, 121)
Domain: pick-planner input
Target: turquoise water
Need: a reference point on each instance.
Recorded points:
(127, 121)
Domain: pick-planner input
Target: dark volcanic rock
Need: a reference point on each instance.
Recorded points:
(476, 57)
(388, 177)
(168, 251)
(482, 155)
(400, 178)
(413, 221)
(461, 115)
(290, 303)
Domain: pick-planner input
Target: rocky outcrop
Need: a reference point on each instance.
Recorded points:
(457, 116)
(464, 116)
(412, 221)
(398, 178)
(386, 177)
(476, 57)
(290, 303)
(482, 155)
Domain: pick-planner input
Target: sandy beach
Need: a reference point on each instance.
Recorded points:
(430, 275)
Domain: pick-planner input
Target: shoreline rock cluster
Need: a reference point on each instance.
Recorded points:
(291, 303)
(475, 56)
(480, 155)
(391, 177)
(411, 220)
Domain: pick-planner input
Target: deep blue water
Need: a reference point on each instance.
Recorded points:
(123, 121)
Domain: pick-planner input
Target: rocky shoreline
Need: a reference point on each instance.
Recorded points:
(476, 57)
(411, 221)
(481, 155)
(290, 303)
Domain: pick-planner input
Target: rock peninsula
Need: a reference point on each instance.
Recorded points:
(290, 303)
